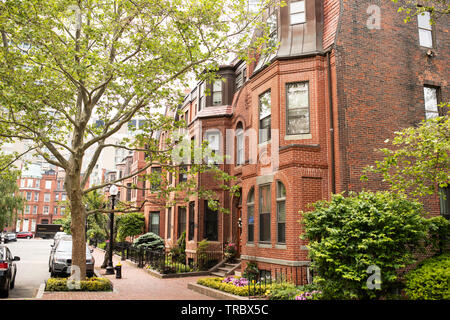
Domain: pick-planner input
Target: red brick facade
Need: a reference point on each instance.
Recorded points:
(363, 84)
(42, 194)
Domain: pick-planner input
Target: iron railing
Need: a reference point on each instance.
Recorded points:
(258, 284)
(166, 263)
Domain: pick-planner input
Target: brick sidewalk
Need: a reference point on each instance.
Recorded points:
(136, 284)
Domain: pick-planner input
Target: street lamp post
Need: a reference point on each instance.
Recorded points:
(113, 193)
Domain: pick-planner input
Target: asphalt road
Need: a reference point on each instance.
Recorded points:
(32, 269)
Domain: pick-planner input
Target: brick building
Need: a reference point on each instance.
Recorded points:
(42, 190)
(302, 123)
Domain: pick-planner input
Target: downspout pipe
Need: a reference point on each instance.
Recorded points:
(331, 113)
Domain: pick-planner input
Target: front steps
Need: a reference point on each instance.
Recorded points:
(227, 269)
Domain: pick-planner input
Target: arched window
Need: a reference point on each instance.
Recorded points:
(251, 215)
(281, 212)
(239, 144)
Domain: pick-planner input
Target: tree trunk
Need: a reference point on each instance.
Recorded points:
(78, 213)
(106, 258)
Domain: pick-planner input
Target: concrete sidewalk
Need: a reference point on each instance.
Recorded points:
(136, 284)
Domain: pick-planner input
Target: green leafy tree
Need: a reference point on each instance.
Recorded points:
(65, 64)
(11, 200)
(418, 158)
(411, 8)
(130, 225)
(351, 237)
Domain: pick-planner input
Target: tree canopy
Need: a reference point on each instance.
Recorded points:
(73, 73)
(411, 8)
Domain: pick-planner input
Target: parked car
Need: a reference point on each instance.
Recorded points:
(9, 236)
(8, 270)
(54, 245)
(24, 234)
(61, 259)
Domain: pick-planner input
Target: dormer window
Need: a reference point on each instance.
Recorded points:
(297, 12)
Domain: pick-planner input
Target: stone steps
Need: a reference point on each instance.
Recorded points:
(226, 269)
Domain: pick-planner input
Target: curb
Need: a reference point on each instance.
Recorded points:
(213, 293)
(40, 292)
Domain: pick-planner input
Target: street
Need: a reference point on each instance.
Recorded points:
(32, 269)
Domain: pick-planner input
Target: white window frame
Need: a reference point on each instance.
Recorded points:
(297, 12)
(431, 102)
(425, 29)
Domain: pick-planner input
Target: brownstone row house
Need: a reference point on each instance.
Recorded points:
(302, 123)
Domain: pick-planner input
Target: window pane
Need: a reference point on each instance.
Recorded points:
(169, 223)
(264, 227)
(181, 221)
(298, 6)
(264, 105)
(264, 197)
(240, 147)
(444, 194)
(298, 18)
(265, 130)
(426, 38)
(264, 210)
(281, 190)
(217, 98)
(298, 96)
(217, 85)
(191, 220)
(251, 233)
(281, 211)
(211, 223)
(298, 121)
(297, 108)
(430, 95)
(281, 233)
(424, 20)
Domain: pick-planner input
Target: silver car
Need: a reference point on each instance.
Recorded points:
(61, 259)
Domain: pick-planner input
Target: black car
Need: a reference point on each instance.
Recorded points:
(8, 270)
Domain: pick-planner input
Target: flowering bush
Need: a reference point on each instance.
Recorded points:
(234, 285)
(313, 295)
(236, 281)
(230, 250)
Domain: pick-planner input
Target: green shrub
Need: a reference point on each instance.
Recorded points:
(430, 280)
(90, 284)
(102, 245)
(251, 270)
(149, 241)
(287, 291)
(216, 283)
(178, 252)
(347, 235)
(282, 291)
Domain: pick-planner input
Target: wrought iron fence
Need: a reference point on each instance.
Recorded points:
(259, 283)
(165, 262)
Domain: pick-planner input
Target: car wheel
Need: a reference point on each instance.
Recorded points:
(5, 293)
(11, 286)
(28, 237)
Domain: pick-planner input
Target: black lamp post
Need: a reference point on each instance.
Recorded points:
(113, 193)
